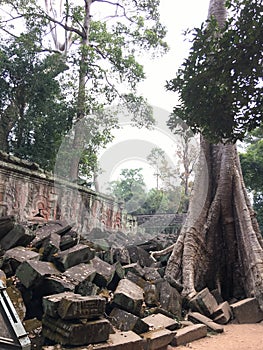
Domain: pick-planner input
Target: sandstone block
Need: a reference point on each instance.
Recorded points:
(139, 255)
(32, 272)
(15, 256)
(128, 296)
(50, 247)
(69, 240)
(18, 236)
(6, 224)
(196, 317)
(104, 272)
(122, 340)
(73, 256)
(125, 321)
(58, 284)
(204, 302)
(75, 334)
(157, 339)
(80, 274)
(170, 298)
(157, 321)
(188, 334)
(247, 311)
(223, 313)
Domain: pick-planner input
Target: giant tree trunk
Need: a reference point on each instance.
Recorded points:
(220, 245)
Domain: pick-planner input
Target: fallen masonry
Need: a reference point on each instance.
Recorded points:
(71, 293)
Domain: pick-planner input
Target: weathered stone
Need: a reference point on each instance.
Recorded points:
(119, 274)
(15, 256)
(46, 230)
(70, 306)
(87, 288)
(247, 311)
(81, 274)
(33, 272)
(69, 240)
(188, 334)
(58, 284)
(17, 300)
(157, 321)
(104, 272)
(121, 255)
(50, 247)
(196, 317)
(139, 255)
(134, 268)
(128, 296)
(34, 329)
(74, 334)
(6, 224)
(218, 297)
(73, 256)
(152, 275)
(120, 341)
(125, 321)
(157, 338)
(223, 313)
(18, 236)
(151, 296)
(170, 299)
(204, 302)
(78, 307)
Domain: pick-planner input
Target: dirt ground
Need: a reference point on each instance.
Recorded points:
(235, 337)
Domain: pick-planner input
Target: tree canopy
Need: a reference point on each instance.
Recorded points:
(220, 83)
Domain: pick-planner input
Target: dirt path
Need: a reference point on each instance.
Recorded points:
(235, 337)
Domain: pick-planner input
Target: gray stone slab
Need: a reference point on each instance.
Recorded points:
(139, 255)
(6, 224)
(80, 253)
(75, 334)
(157, 321)
(128, 296)
(50, 247)
(247, 311)
(196, 317)
(122, 340)
(32, 272)
(157, 338)
(170, 299)
(223, 313)
(18, 236)
(188, 334)
(204, 302)
(125, 321)
(104, 272)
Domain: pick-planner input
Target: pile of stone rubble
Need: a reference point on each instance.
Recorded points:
(74, 293)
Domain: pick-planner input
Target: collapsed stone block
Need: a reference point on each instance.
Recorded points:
(223, 313)
(104, 272)
(204, 302)
(128, 296)
(69, 240)
(125, 321)
(46, 230)
(58, 284)
(32, 272)
(152, 275)
(70, 306)
(188, 334)
(80, 274)
(134, 268)
(139, 255)
(247, 311)
(73, 256)
(157, 339)
(50, 247)
(6, 224)
(170, 298)
(18, 236)
(75, 333)
(122, 340)
(157, 321)
(15, 256)
(196, 317)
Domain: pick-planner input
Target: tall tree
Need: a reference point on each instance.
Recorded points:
(220, 244)
(100, 50)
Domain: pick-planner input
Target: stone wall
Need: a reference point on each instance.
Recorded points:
(34, 195)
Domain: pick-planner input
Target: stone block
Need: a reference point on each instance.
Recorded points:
(104, 272)
(50, 247)
(157, 321)
(139, 255)
(18, 236)
(80, 253)
(32, 272)
(122, 340)
(196, 317)
(15, 256)
(6, 224)
(125, 321)
(58, 284)
(69, 240)
(75, 334)
(223, 313)
(134, 268)
(247, 311)
(170, 299)
(157, 339)
(80, 274)
(188, 334)
(204, 302)
(217, 296)
(119, 274)
(128, 296)
(70, 306)
(46, 230)
(152, 275)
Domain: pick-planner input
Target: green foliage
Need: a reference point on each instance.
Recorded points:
(220, 83)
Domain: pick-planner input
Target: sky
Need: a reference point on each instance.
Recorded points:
(131, 146)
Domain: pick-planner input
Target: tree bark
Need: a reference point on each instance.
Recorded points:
(220, 245)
